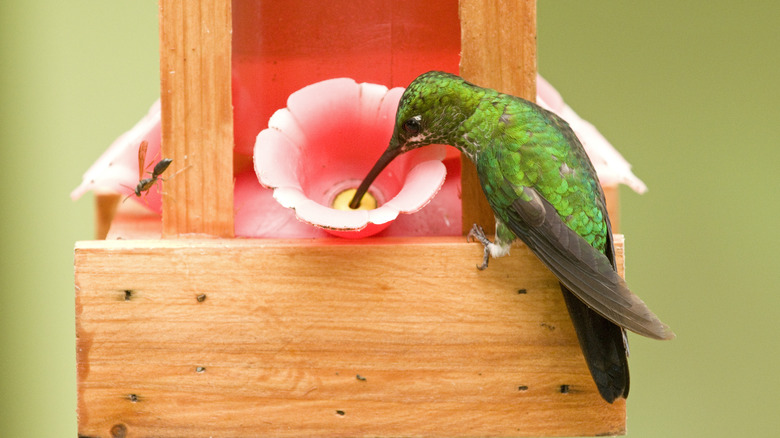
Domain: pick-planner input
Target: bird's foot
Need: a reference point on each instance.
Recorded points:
(477, 233)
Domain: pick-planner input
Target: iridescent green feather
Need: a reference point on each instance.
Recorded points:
(529, 147)
(543, 189)
(515, 144)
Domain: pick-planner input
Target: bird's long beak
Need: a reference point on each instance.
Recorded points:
(387, 156)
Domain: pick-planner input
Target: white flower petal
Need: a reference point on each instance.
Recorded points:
(283, 121)
(117, 168)
(276, 160)
(329, 218)
(337, 129)
(383, 214)
(290, 197)
(422, 181)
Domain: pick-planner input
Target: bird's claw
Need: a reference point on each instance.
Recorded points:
(477, 233)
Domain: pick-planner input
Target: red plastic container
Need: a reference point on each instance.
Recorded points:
(282, 46)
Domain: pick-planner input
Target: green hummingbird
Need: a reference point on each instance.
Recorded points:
(542, 189)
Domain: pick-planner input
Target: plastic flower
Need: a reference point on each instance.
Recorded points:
(116, 171)
(323, 144)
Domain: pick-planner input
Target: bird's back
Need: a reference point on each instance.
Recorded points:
(531, 147)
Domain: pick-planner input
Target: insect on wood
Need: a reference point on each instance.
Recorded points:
(144, 184)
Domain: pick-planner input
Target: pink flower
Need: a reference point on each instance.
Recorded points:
(324, 143)
(116, 171)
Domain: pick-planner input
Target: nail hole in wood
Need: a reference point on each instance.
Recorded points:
(119, 431)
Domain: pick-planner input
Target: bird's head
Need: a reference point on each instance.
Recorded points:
(429, 112)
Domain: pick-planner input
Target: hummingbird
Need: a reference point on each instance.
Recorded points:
(543, 190)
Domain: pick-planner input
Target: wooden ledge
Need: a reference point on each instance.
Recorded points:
(326, 337)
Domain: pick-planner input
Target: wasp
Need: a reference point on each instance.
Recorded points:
(144, 184)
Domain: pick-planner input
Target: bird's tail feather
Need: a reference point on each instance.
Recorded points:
(604, 347)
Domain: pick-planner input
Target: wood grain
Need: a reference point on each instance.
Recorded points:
(134, 222)
(106, 205)
(238, 338)
(197, 117)
(498, 50)
(612, 196)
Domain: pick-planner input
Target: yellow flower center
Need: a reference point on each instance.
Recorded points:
(341, 202)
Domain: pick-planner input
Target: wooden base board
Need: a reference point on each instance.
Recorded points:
(327, 337)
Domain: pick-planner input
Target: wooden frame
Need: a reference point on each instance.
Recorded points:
(498, 50)
(194, 336)
(197, 116)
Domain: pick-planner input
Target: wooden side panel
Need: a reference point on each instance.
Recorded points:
(612, 196)
(215, 338)
(498, 45)
(498, 50)
(197, 117)
(106, 205)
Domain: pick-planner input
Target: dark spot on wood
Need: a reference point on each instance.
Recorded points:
(341, 412)
(119, 431)
(128, 294)
(522, 291)
(549, 327)
(201, 298)
(133, 398)
(564, 389)
(361, 378)
(616, 432)
(522, 388)
(200, 369)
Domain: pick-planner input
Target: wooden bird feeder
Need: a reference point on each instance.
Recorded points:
(184, 330)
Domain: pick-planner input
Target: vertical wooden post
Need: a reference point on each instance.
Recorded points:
(197, 117)
(498, 50)
(105, 209)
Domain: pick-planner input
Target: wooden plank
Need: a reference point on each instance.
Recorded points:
(197, 117)
(619, 242)
(498, 50)
(498, 45)
(612, 196)
(134, 222)
(246, 337)
(106, 205)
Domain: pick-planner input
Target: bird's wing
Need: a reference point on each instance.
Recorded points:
(585, 271)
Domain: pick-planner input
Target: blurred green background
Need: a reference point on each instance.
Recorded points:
(687, 91)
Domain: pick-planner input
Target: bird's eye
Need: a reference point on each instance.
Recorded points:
(412, 126)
